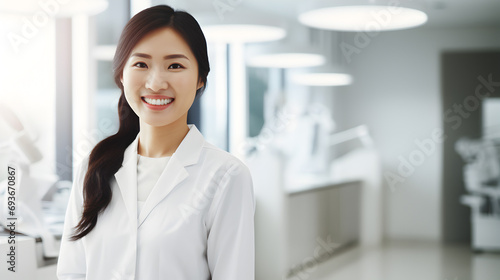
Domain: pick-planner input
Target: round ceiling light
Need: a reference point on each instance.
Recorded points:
(357, 15)
(284, 54)
(323, 79)
(240, 26)
(54, 8)
(242, 33)
(286, 60)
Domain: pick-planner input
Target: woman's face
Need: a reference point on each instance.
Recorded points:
(160, 78)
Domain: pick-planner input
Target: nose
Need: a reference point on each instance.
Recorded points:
(156, 80)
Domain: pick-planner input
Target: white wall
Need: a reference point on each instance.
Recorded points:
(397, 93)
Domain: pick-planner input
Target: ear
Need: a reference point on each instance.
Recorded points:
(200, 85)
(121, 78)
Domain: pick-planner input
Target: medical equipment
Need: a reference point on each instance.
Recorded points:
(482, 180)
(30, 190)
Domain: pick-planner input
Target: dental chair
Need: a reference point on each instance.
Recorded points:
(482, 181)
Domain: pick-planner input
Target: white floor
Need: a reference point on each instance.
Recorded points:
(408, 261)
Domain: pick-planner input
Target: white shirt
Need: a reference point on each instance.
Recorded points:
(196, 224)
(148, 171)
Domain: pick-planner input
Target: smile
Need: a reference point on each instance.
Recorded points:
(157, 101)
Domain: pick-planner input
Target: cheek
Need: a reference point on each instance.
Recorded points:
(134, 81)
(130, 86)
(189, 82)
(131, 82)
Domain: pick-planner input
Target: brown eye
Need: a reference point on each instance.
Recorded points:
(175, 66)
(141, 65)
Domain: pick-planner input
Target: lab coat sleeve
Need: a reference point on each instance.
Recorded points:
(71, 264)
(230, 244)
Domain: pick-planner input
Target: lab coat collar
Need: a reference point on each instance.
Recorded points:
(174, 173)
(187, 153)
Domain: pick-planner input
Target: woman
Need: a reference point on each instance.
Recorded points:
(155, 200)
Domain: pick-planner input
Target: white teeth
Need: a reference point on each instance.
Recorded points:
(156, 101)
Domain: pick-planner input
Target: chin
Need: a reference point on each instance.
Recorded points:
(156, 123)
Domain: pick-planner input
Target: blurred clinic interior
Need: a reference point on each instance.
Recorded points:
(371, 127)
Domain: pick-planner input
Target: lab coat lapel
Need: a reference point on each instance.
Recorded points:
(175, 172)
(126, 177)
(172, 175)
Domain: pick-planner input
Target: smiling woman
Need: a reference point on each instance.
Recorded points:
(135, 210)
(162, 69)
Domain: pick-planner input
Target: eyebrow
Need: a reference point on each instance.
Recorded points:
(170, 56)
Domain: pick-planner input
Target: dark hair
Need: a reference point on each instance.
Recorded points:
(107, 156)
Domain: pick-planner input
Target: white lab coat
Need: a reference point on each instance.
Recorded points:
(197, 223)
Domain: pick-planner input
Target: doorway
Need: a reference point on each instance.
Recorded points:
(468, 78)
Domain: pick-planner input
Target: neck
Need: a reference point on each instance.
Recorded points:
(161, 141)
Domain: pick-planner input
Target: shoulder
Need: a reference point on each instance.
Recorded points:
(223, 160)
(215, 153)
(222, 167)
(230, 183)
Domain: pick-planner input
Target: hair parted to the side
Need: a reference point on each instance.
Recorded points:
(107, 156)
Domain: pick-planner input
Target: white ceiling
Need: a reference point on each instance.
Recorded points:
(460, 13)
